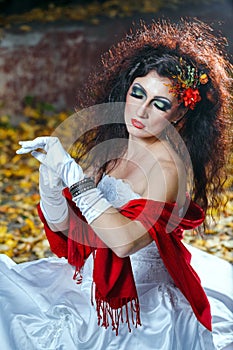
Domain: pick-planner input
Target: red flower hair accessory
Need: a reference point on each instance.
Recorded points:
(191, 97)
(186, 83)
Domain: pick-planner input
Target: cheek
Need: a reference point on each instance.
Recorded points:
(158, 121)
(163, 118)
(129, 107)
(157, 124)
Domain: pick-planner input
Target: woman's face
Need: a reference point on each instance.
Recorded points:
(149, 105)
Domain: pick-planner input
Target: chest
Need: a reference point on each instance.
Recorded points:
(133, 173)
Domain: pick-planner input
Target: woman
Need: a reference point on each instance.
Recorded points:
(128, 197)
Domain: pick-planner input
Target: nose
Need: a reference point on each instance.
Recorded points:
(142, 111)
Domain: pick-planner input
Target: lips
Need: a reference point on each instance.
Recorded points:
(137, 124)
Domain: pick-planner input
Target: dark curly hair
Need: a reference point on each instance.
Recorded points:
(205, 129)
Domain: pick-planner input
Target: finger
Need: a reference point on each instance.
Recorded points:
(39, 156)
(27, 148)
(31, 145)
(38, 142)
(24, 150)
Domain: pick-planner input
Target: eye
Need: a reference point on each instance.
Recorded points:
(162, 105)
(137, 92)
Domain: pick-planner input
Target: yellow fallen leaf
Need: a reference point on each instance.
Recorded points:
(25, 28)
(31, 112)
(30, 223)
(3, 209)
(16, 159)
(11, 243)
(3, 231)
(3, 159)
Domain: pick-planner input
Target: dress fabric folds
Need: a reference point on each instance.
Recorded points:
(42, 307)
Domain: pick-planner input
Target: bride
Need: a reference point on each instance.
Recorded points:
(147, 152)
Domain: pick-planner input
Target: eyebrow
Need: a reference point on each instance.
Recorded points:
(155, 97)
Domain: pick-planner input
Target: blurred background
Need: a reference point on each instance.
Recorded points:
(47, 49)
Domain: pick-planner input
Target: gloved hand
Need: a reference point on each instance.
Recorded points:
(54, 157)
(53, 204)
(91, 203)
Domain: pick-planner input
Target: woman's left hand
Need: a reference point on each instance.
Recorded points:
(53, 156)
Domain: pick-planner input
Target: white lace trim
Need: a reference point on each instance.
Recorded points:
(116, 191)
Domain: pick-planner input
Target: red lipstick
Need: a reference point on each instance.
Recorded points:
(137, 124)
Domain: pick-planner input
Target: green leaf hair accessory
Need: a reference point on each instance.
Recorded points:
(186, 84)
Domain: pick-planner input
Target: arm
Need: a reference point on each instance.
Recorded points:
(119, 233)
(52, 203)
(124, 236)
(57, 169)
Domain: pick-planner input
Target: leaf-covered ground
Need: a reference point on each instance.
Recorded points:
(94, 11)
(21, 232)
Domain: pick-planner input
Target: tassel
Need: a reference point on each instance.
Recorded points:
(105, 313)
(78, 276)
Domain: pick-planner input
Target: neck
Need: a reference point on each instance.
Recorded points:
(137, 147)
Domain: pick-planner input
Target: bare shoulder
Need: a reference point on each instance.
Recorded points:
(167, 179)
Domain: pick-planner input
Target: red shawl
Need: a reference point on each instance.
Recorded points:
(114, 284)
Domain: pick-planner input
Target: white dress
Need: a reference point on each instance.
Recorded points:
(43, 308)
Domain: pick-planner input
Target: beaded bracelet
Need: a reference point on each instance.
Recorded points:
(82, 186)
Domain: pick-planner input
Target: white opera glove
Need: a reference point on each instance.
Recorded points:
(53, 204)
(91, 202)
(54, 157)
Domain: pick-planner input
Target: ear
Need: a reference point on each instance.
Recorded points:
(179, 119)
